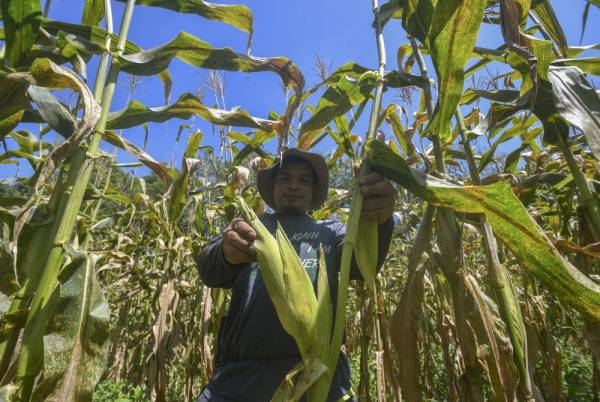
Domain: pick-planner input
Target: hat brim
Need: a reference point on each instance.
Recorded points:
(265, 179)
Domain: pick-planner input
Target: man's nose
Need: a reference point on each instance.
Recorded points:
(293, 184)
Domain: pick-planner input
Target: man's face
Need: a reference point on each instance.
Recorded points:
(294, 187)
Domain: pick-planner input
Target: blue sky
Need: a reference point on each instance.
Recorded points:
(338, 31)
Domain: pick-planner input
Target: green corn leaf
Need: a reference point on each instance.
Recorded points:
(93, 12)
(543, 10)
(93, 39)
(196, 52)
(22, 19)
(390, 10)
(238, 15)
(258, 139)
(185, 107)
(510, 222)
(491, 332)
(335, 102)
(366, 250)
(9, 123)
(160, 169)
(417, 17)
(179, 191)
(52, 111)
(76, 339)
(44, 73)
(13, 96)
(451, 38)
(577, 102)
(588, 64)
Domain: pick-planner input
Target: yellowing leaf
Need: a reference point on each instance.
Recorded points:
(509, 220)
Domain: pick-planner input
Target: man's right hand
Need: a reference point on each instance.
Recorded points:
(238, 242)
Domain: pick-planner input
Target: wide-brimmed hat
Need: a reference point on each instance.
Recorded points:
(266, 177)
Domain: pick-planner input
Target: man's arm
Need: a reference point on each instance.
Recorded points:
(214, 269)
(222, 259)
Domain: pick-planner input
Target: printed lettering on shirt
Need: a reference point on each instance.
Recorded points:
(304, 236)
(310, 263)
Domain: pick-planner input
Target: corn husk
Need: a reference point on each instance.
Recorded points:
(366, 251)
(287, 283)
(301, 307)
(306, 316)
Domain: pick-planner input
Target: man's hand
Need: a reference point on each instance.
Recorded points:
(378, 195)
(238, 246)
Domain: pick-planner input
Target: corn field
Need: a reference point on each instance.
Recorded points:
(491, 288)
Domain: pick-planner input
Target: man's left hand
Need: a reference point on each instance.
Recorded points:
(378, 195)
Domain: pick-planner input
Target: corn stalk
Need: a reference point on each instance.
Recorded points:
(31, 355)
(449, 240)
(352, 227)
(501, 283)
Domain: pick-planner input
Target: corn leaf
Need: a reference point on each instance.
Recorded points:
(93, 12)
(13, 95)
(335, 102)
(9, 123)
(417, 16)
(588, 64)
(543, 10)
(52, 111)
(491, 331)
(577, 102)
(161, 170)
(451, 38)
(196, 52)
(76, 341)
(510, 222)
(179, 190)
(22, 19)
(44, 73)
(93, 39)
(185, 107)
(293, 389)
(352, 70)
(238, 15)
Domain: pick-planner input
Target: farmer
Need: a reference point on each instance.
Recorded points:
(254, 352)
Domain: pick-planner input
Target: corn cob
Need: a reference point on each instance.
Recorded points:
(287, 282)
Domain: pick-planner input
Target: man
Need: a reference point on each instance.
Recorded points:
(254, 352)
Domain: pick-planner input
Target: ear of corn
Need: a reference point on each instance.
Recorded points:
(306, 316)
(301, 305)
(320, 390)
(269, 260)
(366, 250)
(325, 309)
